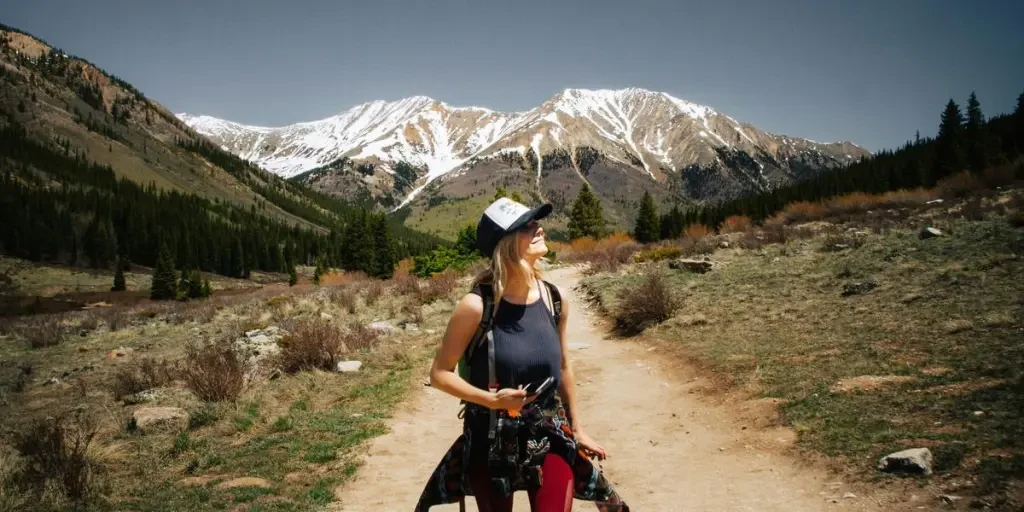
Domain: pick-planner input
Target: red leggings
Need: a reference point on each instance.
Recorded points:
(554, 496)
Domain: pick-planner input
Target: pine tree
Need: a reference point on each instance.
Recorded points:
(293, 276)
(949, 150)
(164, 286)
(207, 289)
(976, 135)
(1019, 111)
(516, 197)
(647, 229)
(465, 241)
(319, 271)
(587, 216)
(119, 284)
(384, 249)
(500, 193)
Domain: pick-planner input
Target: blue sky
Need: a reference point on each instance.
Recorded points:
(867, 71)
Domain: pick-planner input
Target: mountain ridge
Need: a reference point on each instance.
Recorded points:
(650, 132)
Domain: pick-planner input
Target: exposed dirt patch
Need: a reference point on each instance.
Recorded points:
(870, 382)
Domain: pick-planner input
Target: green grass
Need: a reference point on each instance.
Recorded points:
(947, 312)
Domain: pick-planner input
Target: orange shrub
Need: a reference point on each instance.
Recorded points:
(696, 231)
(803, 211)
(613, 241)
(404, 267)
(735, 224)
(585, 244)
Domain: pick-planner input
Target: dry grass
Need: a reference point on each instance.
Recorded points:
(360, 337)
(803, 211)
(312, 345)
(43, 331)
(735, 224)
(144, 375)
(55, 454)
(214, 372)
(651, 302)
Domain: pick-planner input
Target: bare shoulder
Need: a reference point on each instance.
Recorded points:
(470, 307)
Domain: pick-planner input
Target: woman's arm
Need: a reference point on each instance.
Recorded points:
(567, 388)
(461, 326)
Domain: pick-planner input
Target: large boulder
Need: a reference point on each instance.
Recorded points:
(916, 461)
(349, 366)
(930, 232)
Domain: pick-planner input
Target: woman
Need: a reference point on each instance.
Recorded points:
(516, 436)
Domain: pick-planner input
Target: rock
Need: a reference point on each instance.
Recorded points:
(326, 316)
(144, 417)
(574, 345)
(934, 201)
(245, 481)
(141, 397)
(949, 499)
(930, 232)
(849, 496)
(724, 244)
(858, 288)
(411, 327)
(915, 461)
(381, 326)
(259, 344)
(349, 366)
(52, 381)
(692, 265)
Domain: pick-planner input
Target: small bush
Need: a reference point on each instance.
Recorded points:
(959, 185)
(56, 452)
(697, 246)
(439, 286)
(405, 284)
(1016, 219)
(146, 374)
(841, 242)
(735, 224)
(43, 331)
(696, 231)
(658, 254)
(802, 211)
(311, 346)
(1001, 176)
(360, 337)
(650, 302)
(345, 297)
(372, 292)
(201, 418)
(214, 372)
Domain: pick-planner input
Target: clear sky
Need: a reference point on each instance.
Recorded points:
(868, 71)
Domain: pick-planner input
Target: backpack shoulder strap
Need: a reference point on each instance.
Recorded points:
(553, 299)
(486, 293)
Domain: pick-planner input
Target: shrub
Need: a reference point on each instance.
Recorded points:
(439, 286)
(42, 331)
(147, 374)
(696, 231)
(1016, 220)
(696, 246)
(311, 345)
(802, 211)
(373, 290)
(658, 254)
(201, 418)
(360, 337)
(406, 285)
(56, 453)
(959, 185)
(214, 372)
(650, 302)
(1001, 176)
(841, 242)
(736, 224)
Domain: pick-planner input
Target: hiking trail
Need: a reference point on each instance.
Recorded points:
(669, 449)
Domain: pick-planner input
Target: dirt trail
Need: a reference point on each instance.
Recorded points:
(669, 449)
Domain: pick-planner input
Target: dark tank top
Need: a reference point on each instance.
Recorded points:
(526, 347)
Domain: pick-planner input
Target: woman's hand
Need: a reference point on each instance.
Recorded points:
(510, 399)
(590, 447)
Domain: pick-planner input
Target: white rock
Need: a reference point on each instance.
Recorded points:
(349, 366)
(930, 232)
(381, 326)
(849, 496)
(326, 316)
(914, 460)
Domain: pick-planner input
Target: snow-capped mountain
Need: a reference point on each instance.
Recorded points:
(652, 132)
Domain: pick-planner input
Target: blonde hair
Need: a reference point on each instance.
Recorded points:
(504, 262)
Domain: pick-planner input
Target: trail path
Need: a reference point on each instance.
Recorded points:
(669, 449)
